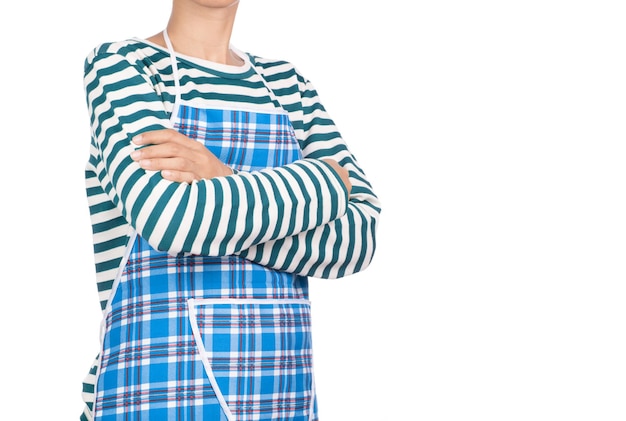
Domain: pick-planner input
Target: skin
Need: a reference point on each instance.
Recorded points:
(202, 29)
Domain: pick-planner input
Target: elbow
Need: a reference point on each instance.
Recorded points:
(357, 253)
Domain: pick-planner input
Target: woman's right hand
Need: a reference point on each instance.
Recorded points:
(178, 157)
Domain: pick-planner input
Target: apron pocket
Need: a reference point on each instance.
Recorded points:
(257, 354)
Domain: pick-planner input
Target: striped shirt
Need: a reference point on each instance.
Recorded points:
(296, 218)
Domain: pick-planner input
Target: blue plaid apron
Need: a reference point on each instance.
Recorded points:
(210, 338)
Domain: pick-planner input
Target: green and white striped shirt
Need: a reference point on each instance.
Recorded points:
(315, 228)
(296, 218)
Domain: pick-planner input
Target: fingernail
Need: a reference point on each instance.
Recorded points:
(137, 139)
(135, 155)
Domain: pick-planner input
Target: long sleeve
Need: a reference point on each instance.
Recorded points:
(220, 216)
(339, 247)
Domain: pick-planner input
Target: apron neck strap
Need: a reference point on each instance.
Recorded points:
(174, 74)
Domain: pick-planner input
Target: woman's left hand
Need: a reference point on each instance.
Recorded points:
(178, 157)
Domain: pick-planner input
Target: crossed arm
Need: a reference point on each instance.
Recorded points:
(182, 199)
(184, 160)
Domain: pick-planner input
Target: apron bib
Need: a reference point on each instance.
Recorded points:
(210, 338)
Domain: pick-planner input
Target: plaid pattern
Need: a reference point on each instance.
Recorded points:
(244, 140)
(259, 355)
(210, 338)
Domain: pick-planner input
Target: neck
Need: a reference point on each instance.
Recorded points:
(203, 32)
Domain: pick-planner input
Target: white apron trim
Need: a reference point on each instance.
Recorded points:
(192, 303)
(120, 270)
(175, 76)
(205, 359)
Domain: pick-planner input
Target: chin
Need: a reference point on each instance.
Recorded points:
(216, 4)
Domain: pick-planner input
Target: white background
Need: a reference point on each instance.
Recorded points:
(493, 132)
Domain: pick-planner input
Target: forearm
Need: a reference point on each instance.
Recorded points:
(224, 215)
(340, 247)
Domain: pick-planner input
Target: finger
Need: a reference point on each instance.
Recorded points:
(179, 176)
(160, 164)
(155, 137)
(341, 171)
(163, 150)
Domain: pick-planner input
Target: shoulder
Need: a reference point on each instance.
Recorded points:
(131, 51)
(276, 69)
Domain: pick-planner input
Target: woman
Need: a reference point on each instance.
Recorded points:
(217, 185)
